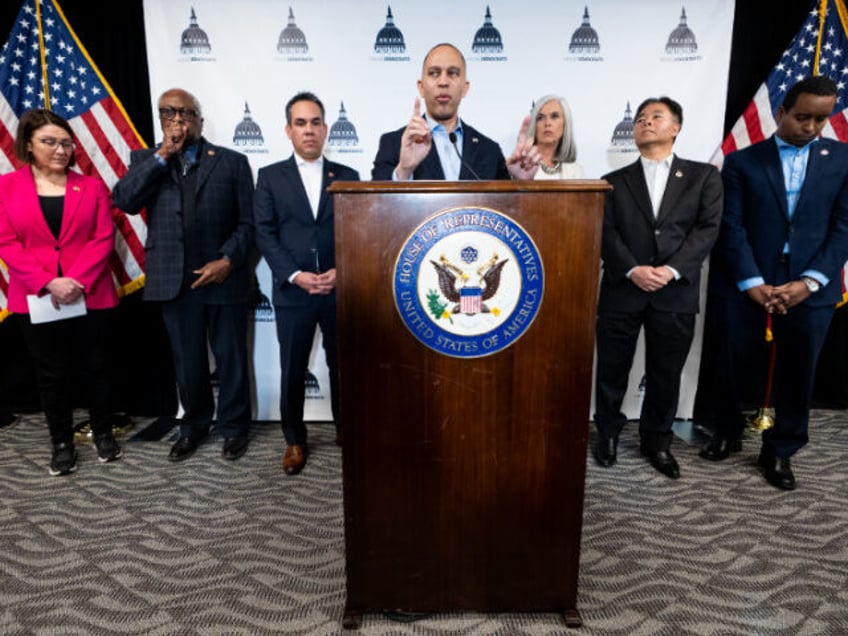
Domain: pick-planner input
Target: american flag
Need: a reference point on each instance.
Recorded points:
(44, 65)
(820, 48)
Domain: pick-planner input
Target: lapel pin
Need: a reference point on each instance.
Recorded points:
(824, 152)
(678, 174)
(75, 188)
(474, 140)
(331, 174)
(210, 152)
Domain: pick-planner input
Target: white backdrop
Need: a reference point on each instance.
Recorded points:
(227, 55)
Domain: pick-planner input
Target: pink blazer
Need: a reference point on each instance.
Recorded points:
(33, 254)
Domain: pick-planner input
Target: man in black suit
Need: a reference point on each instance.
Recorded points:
(440, 145)
(784, 238)
(660, 221)
(199, 202)
(295, 233)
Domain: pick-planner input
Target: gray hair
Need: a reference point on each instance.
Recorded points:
(567, 150)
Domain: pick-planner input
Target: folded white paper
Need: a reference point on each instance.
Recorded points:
(41, 309)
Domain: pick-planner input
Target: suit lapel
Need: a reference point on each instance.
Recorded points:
(326, 179)
(635, 179)
(74, 192)
(470, 144)
(431, 167)
(206, 163)
(817, 160)
(770, 160)
(674, 187)
(297, 188)
(31, 202)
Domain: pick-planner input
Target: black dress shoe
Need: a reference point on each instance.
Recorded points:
(664, 462)
(606, 451)
(7, 418)
(183, 449)
(719, 449)
(778, 471)
(234, 447)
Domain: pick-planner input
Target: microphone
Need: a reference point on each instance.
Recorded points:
(452, 137)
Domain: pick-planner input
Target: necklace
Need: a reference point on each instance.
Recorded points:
(550, 169)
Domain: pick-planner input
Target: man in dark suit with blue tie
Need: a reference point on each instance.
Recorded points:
(295, 233)
(784, 238)
(660, 222)
(199, 202)
(440, 145)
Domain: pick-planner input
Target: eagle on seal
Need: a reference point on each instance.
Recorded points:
(489, 279)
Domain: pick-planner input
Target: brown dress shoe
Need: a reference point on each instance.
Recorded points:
(295, 459)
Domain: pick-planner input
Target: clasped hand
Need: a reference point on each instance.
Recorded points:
(779, 299)
(317, 284)
(651, 279)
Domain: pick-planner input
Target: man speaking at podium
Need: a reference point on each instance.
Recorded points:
(439, 145)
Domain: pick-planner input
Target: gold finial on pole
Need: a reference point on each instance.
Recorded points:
(763, 419)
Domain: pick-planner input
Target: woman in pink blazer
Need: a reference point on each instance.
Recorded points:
(56, 238)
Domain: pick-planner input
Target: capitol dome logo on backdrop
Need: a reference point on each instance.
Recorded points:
(389, 45)
(292, 45)
(247, 137)
(487, 45)
(263, 311)
(585, 45)
(194, 43)
(468, 282)
(681, 45)
(313, 387)
(343, 137)
(622, 149)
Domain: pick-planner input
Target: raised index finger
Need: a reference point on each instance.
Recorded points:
(522, 132)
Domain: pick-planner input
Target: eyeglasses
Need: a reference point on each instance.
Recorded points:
(52, 143)
(187, 114)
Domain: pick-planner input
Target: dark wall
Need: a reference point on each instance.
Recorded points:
(113, 33)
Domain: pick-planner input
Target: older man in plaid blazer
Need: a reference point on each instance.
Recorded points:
(199, 202)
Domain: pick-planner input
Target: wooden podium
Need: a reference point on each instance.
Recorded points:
(464, 474)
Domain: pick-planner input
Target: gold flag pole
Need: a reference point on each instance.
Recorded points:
(763, 419)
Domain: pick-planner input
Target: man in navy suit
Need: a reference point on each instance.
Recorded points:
(440, 145)
(295, 233)
(660, 222)
(784, 238)
(199, 202)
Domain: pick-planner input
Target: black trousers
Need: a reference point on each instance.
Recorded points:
(668, 336)
(798, 338)
(70, 355)
(193, 328)
(295, 333)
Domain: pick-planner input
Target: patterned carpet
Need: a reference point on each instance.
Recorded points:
(144, 546)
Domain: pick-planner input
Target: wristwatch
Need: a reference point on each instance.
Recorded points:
(812, 284)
